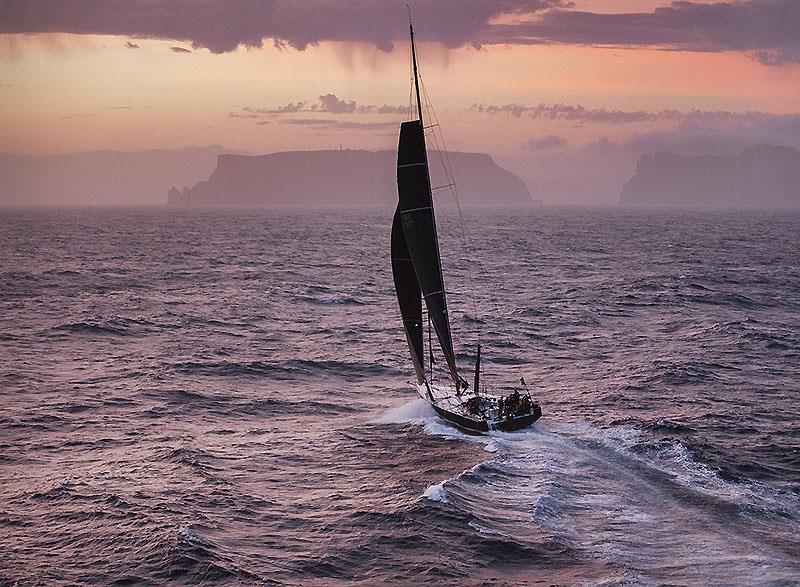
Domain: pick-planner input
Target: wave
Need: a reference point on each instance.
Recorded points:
(436, 492)
(193, 558)
(330, 300)
(291, 369)
(592, 488)
(303, 408)
(91, 328)
(668, 426)
(198, 460)
(667, 372)
(114, 326)
(226, 405)
(735, 300)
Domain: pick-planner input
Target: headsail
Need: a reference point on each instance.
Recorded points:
(408, 295)
(419, 227)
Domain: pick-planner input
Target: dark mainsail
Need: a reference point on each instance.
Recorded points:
(408, 295)
(415, 208)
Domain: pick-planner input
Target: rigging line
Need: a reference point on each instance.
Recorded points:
(447, 165)
(444, 158)
(469, 247)
(417, 83)
(468, 256)
(466, 232)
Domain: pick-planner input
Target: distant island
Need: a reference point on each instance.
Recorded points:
(761, 176)
(344, 178)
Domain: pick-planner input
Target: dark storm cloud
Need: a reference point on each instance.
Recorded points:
(769, 30)
(223, 25)
(765, 29)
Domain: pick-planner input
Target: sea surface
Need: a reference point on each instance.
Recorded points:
(222, 397)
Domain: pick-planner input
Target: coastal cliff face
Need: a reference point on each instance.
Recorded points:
(761, 176)
(343, 179)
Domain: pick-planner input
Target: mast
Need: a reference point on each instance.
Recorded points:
(418, 225)
(430, 350)
(414, 61)
(477, 388)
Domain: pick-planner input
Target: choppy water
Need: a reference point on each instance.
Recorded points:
(220, 396)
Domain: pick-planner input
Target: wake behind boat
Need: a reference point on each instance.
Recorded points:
(417, 271)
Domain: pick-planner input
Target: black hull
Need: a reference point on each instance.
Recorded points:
(472, 426)
(511, 424)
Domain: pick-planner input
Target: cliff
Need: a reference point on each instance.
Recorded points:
(343, 179)
(761, 176)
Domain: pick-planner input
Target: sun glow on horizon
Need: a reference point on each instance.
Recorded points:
(66, 93)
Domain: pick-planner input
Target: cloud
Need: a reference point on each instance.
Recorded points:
(546, 142)
(700, 133)
(246, 113)
(290, 108)
(385, 109)
(576, 113)
(765, 29)
(329, 103)
(224, 25)
(700, 128)
(339, 124)
(130, 45)
(179, 50)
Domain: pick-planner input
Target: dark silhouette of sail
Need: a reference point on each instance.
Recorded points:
(419, 228)
(408, 295)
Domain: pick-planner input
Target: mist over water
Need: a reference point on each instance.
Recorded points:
(221, 396)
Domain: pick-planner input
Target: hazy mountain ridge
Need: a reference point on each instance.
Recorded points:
(101, 177)
(344, 178)
(760, 176)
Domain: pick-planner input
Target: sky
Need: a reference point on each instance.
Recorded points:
(539, 84)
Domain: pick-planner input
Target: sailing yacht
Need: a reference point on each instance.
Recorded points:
(417, 272)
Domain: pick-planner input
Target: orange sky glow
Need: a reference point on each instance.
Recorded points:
(67, 92)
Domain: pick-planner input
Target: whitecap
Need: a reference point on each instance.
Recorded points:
(415, 411)
(437, 492)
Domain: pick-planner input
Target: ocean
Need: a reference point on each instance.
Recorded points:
(222, 397)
